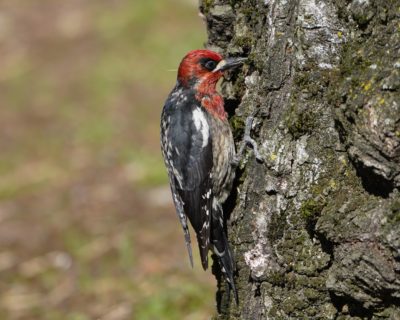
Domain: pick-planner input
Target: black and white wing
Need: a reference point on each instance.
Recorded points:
(187, 150)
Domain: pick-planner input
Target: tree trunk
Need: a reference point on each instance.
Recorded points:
(315, 228)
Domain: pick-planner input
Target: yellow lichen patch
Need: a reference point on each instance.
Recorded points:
(343, 161)
(366, 86)
(332, 184)
(340, 34)
(273, 156)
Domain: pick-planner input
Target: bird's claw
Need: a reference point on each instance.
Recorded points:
(247, 140)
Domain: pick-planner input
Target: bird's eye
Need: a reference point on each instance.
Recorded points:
(210, 65)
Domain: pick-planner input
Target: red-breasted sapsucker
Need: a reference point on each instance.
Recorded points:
(199, 154)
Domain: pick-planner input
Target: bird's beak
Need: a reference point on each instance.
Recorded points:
(229, 63)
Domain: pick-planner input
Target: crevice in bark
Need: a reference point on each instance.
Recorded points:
(231, 201)
(372, 183)
(271, 192)
(347, 305)
(341, 131)
(257, 291)
(326, 245)
(230, 106)
(388, 299)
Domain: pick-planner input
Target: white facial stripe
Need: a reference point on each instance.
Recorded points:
(220, 65)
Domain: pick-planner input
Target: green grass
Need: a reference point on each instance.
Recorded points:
(82, 89)
(169, 304)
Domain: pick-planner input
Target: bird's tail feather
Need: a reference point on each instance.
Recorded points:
(224, 254)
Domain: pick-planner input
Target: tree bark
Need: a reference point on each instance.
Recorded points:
(315, 228)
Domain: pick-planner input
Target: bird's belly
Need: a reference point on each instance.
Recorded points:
(224, 152)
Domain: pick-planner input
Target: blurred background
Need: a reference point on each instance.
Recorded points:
(87, 225)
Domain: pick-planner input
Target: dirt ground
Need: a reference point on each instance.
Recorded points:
(87, 226)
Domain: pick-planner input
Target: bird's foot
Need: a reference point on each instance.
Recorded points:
(247, 140)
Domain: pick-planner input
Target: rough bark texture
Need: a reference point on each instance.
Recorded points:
(315, 228)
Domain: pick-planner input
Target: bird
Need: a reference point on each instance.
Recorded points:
(199, 153)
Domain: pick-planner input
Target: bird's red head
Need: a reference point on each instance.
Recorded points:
(203, 68)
